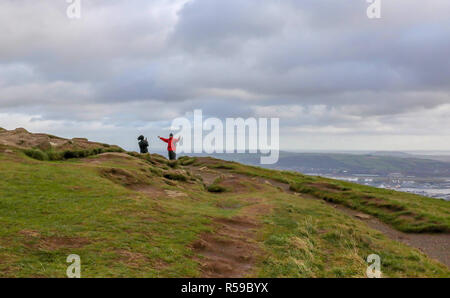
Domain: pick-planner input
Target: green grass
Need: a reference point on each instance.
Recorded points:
(307, 238)
(36, 154)
(403, 211)
(175, 176)
(90, 207)
(121, 227)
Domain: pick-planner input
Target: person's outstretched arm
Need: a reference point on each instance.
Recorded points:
(164, 140)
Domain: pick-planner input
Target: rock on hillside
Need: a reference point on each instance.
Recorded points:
(22, 139)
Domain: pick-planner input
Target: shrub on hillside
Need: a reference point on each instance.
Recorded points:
(68, 154)
(175, 176)
(36, 154)
(54, 155)
(216, 188)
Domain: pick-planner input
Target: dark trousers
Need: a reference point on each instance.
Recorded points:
(172, 155)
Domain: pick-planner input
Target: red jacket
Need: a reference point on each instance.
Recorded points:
(171, 143)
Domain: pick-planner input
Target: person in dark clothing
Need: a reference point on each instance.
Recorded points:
(171, 146)
(143, 144)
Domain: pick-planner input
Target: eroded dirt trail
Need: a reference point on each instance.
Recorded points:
(232, 249)
(436, 246)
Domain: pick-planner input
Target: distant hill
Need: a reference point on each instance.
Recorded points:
(378, 163)
(392, 154)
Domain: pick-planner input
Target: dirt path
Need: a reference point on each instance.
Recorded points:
(436, 246)
(232, 249)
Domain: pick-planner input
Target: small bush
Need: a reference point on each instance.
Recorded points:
(54, 156)
(95, 151)
(36, 154)
(175, 176)
(216, 188)
(68, 154)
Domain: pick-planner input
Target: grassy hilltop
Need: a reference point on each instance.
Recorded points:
(131, 215)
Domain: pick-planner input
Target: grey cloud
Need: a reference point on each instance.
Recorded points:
(219, 27)
(137, 62)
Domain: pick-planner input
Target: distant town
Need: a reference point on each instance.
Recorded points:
(427, 175)
(438, 188)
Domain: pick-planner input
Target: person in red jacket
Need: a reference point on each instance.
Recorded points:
(171, 146)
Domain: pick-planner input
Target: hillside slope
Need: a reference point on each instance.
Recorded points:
(131, 215)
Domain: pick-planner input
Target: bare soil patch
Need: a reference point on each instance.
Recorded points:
(55, 243)
(230, 251)
(132, 259)
(30, 233)
(121, 176)
(36, 240)
(238, 184)
(207, 175)
(150, 190)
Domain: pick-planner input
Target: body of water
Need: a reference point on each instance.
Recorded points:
(436, 190)
(437, 193)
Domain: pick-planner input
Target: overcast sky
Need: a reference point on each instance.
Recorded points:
(336, 79)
